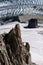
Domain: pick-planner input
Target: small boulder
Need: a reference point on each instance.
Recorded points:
(32, 23)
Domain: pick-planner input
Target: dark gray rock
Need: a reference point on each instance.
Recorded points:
(32, 23)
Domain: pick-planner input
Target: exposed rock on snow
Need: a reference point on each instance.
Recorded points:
(32, 23)
(13, 51)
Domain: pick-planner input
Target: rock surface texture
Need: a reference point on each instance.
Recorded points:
(12, 49)
(32, 23)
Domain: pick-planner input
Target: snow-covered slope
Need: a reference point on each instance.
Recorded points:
(24, 9)
(40, 2)
(36, 42)
(16, 2)
(5, 3)
(28, 1)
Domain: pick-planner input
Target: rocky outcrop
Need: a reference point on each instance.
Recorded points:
(32, 23)
(12, 49)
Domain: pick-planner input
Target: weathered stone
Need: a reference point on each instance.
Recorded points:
(32, 23)
(14, 52)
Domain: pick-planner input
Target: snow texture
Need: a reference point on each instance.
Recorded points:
(40, 2)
